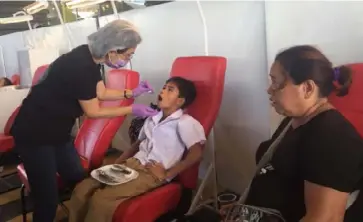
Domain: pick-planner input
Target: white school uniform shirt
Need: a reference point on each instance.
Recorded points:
(166, 141)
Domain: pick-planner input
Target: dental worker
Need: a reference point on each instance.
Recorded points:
(72, 86)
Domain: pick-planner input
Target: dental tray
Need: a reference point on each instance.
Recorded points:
(114, 174)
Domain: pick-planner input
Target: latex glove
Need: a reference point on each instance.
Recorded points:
(142, 110)
(143, 87)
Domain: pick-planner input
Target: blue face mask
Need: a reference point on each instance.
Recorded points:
(119, 64)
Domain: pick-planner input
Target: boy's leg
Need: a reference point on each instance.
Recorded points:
(69, 164)
(105, 201)
(78, 204)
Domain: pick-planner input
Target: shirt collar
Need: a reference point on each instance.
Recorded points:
(175, 115)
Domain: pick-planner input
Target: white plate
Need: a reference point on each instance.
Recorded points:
(119, 177)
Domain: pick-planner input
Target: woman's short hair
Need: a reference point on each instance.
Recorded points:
(304, 62)
(118, 34)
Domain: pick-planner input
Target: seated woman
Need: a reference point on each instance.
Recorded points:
(156, 155)
(5, 82)
(319, 161)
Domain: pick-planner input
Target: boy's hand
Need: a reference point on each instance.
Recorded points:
(157, 169)
(120, 161)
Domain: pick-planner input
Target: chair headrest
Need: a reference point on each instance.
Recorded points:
(207, 73)
(15, 79)
(39, 73)
(351, 105)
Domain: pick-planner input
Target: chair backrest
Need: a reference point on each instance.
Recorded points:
(95, 135)
(15, 79)
(351, 105)
(207, 73)
(39, 73)
(10, 121)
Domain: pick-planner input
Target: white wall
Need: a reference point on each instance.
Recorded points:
(248, 34)
(334, 26)
(54, 37)
(10, 44)
(12, 98)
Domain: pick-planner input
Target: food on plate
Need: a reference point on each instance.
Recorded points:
(120, 169)
(105, 177)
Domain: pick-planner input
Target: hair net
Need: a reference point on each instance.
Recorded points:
(118, 34)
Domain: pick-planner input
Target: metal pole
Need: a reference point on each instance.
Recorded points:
(29, 25)
(69, 35)
(23, 13)
(97, 17)
(114, 8)
(3, 60)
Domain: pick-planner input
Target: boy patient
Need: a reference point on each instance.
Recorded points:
(156, 155)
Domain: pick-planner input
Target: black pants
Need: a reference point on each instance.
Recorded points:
(42, 164)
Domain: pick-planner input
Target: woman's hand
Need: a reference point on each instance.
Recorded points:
(142, 110)
(157, 169)
(143, 87)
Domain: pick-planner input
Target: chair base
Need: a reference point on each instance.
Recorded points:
(10, 186)
(23, 202)
(181, 209)
(62, 196)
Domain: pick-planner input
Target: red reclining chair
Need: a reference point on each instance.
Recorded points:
(208, 75)
(351, 106)
(15, 79)
(6, 146)
(6, 140)
(38, 74)
(95, 135)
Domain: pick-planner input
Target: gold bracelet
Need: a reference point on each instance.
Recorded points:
(125, 94)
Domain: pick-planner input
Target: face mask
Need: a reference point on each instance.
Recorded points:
(119, 64)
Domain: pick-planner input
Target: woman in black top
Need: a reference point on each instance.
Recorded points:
(319, 162)
(72, 86)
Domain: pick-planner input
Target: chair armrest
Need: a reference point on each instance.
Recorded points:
(6, 143)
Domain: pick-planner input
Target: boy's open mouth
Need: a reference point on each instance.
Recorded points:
(159, 98)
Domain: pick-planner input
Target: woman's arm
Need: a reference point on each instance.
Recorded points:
(330, 162)
(93, 109)
(324, 204)
(111, 94)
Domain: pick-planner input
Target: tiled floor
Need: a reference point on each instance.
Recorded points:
(15, 194)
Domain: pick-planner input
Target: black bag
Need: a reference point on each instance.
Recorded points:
(241, 212)
(136, 125)
(237, 213)
(203, 214)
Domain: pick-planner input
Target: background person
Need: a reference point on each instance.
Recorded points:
(319, 161)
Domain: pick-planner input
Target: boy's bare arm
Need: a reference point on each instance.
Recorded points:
(194, 155)
(129, 153)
